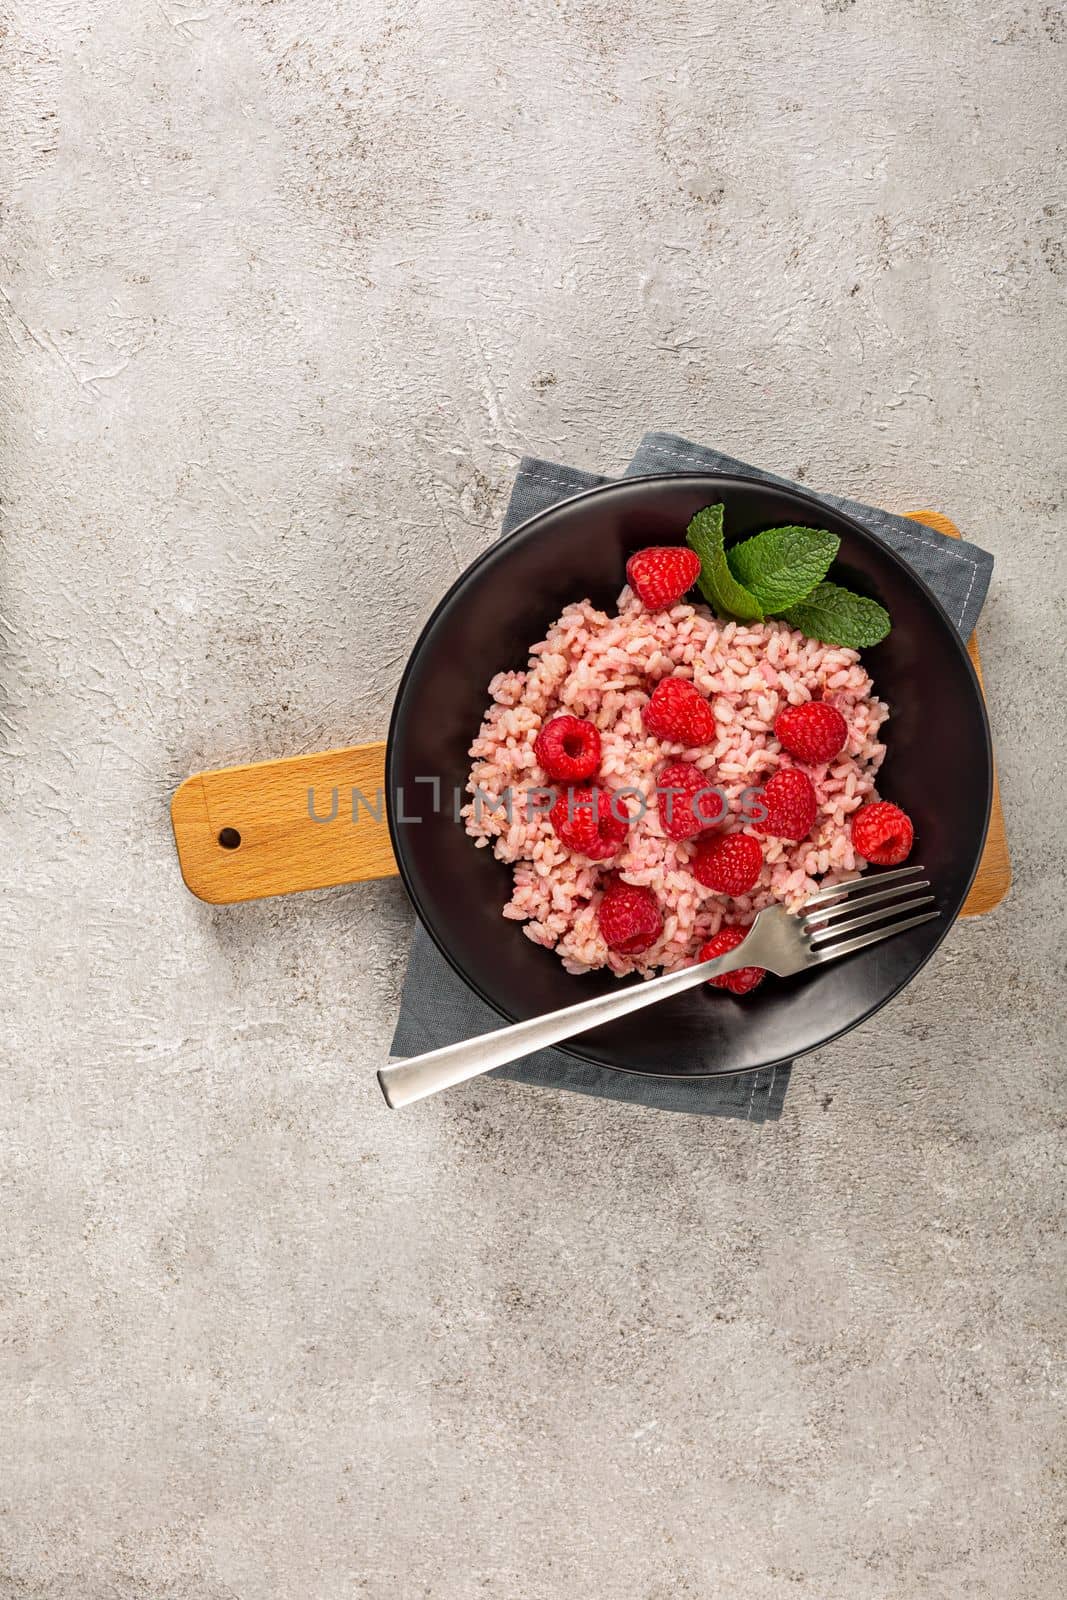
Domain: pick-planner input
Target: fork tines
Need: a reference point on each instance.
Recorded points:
(844, 907)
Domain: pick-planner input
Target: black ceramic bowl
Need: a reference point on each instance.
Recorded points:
(938, 767)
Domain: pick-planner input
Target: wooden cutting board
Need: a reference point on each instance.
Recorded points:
(315, 821)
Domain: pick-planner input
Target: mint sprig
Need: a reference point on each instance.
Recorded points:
(783, 565)
(837, 616)
(717, 583)
(782, 572)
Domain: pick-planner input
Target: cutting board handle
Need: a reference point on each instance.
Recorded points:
(277, 827)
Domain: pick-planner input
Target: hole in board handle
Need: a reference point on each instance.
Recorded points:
(229, 838)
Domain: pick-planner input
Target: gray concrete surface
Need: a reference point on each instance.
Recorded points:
(287, 290)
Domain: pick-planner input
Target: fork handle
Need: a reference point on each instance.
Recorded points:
(406, 1081)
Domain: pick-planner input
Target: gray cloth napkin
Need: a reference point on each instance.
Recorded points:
(437, 1008)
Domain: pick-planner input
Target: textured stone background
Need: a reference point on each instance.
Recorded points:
(288, 287)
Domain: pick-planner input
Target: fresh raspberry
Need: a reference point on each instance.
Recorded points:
(679, 713)
(791, 805)
(729, 863)
(882, 833)
(687, 800)
(589, 829)
(568, 749)
(660, 575)
(745, 979)
(815, 732)
(630, 918)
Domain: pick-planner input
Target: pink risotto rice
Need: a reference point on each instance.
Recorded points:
(604, 668)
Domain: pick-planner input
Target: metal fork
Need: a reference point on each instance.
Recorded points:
(780, 941)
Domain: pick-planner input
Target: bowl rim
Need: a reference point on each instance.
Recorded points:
(524, 530)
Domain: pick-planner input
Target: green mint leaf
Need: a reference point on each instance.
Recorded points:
(717, 583)
(782, 565)
(836, 616)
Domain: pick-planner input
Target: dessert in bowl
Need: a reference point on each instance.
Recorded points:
(541, 617)
(606, 671)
